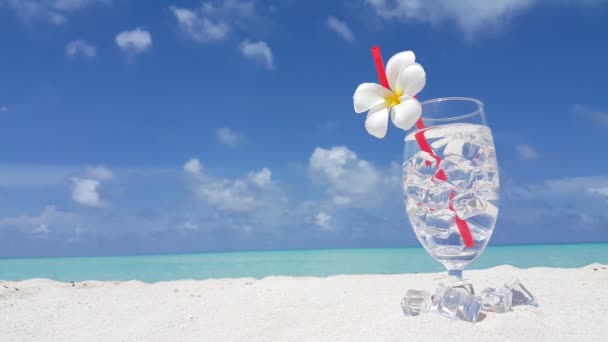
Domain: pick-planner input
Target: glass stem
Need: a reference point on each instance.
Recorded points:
(455, 274)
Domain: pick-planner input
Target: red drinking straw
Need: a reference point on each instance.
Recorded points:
(462, 225)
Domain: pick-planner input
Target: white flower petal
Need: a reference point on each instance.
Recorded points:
(376, 122)
(405, 114)
(411, 80)
(396, 64)
(369, 95)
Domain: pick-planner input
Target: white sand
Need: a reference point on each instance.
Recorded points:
(574, 307)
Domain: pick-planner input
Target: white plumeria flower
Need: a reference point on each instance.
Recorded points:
(406, 79)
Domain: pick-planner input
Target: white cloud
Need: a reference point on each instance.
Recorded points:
(229, 137)
(342, 200)
(349, 180)
(324, 221)
(599, 190)
(599, 117)
(134, 41)
(41, 229)
(573, 202)
(241, 195)
(228, 195)
(100, 172)
(85, 192)
(471, 16)
(581, 185)
(47, 221)
(526, 152)
(255, 191)
(341, 28)
(188, 226)
(213, 21)
(52, 11)
(193, 166)
(76, 47)
(258, 51)
(261, 178)
(229, 8)
(198, 27)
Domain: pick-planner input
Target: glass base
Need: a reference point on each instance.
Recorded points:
(455, 275)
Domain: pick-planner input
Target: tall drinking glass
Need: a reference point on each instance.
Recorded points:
(450, 180)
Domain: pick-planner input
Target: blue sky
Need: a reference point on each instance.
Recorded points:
(132, 127)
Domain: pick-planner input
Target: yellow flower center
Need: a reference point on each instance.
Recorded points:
(393, 99)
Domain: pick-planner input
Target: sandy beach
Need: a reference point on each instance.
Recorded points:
(573, 307)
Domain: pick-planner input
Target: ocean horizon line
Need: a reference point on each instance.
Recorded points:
(302, 262)
(282, 250)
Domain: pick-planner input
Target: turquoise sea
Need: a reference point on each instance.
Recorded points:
(152, 268)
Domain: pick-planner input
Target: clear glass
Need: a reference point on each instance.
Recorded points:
(450, 181)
